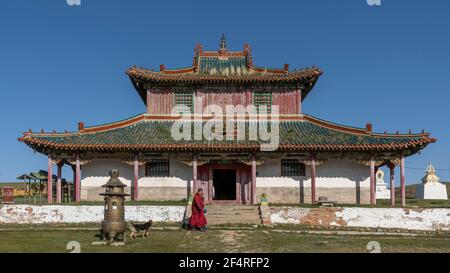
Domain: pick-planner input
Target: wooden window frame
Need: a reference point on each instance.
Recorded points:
(162, 164)
(182, 97)
(292, 167)
(263, 99)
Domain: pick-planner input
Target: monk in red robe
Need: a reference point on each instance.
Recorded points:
(198, 219)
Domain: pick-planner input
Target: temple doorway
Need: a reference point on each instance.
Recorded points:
(224, 184)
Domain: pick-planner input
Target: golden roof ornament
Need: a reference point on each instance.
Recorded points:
(223, 43)
(430, 176)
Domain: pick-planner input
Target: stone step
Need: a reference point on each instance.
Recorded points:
(232, 217)
(231, 212)
(246, 219)
(222, 214)
(232, 208)
(252, 216)
(234, 221)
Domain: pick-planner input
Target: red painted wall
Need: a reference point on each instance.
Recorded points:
(162, 101)
(159, 102)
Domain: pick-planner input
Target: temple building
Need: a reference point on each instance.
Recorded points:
(311, 159)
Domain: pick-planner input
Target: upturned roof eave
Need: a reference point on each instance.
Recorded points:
(42, 142)
(145, 75)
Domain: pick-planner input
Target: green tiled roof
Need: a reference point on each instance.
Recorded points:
(226, 67)
(306, 133)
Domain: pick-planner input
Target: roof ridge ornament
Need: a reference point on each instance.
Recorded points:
(223, 43)
(430, 176)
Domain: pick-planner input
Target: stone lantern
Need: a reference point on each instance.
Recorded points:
(114, 224)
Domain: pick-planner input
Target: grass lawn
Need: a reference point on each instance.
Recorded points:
(217, 240)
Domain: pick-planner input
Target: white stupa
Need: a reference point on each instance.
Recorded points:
(430, 187)
(381, 190)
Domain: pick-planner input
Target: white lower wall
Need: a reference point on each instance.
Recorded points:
(26, 214)
(395, 218)
(342, 181)
(96, 173)
(332, 174)
(174, 187)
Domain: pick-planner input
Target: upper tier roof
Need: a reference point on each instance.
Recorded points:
(153, 133)
(223, 66)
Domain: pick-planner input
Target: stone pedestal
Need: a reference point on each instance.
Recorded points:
(431, 189)
(381, 190)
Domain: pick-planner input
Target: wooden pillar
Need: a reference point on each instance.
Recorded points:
(135, 189)
(149, 102)
(194, 174)
(253, 186)
(373, 198)
(402, 180)
(210, 184)
(58, 183)
(238, 185)
(50, 181)
(77, 179)
(69, 197)
(313, 179)
(69, 190)
(392, 182)
(299, 100)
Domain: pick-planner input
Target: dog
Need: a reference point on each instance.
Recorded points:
(136, 228)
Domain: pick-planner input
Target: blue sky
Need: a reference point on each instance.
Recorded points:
(60, 64)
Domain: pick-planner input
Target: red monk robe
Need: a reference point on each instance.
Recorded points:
(198, 219)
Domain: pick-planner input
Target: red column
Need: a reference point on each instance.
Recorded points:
(253, 191)
(72, 197)
(135, 193)
(58, 183)
(373, 199)
(299, 95)
(148, 102)
(50, 181)
(194, 174)
(210, 183)
(313, 179)
(402, 180)
(77, 179)
(392, 182)
(238, 185)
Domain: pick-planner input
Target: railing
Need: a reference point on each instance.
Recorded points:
(36, 197)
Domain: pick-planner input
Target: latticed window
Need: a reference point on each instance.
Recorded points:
(157, 167)
(262, 101)
(184, 98)
(292, 167)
